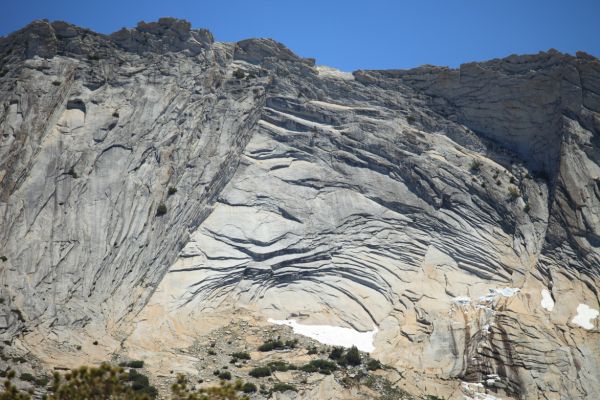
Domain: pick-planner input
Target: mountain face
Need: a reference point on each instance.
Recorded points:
(156, 185)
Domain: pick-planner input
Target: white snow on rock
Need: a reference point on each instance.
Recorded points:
(462, 300)
(329, 72)
(504, 292)
(584, 317)
(333, 335)
(547, 301)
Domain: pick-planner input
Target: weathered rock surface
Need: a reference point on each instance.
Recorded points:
(154, 176)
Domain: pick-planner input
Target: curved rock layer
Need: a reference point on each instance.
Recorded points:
(154, 174)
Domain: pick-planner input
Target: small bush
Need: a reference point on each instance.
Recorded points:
(475, 166)
(161, 210)
(284, 387)
(353, 356)
(322, 366)
(513, 192)
(95, 343)
(280, 366)
(336, 353)
(249, 387)
(260, 372)
(132, 364)
(241, 355)
(3, 258)
(373, 365)
(26, 376)
(291, 344)
(527, 208)
(271, 345)
(115, 114)
(239, 74)
(410, 119)
(172, 190)
(211, 352)
(312, 350)
(225, 375)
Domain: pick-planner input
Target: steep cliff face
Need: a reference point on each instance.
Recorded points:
(154, 177)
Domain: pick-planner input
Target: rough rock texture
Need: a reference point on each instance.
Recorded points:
(154, 175)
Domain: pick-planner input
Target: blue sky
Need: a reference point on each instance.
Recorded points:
(349, 34)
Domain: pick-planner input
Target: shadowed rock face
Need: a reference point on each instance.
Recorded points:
(415, 201)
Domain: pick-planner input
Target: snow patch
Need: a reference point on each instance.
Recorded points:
(328, 72)
(333, 335)
(504, 292)
(462, 300)
(584, 317)
(547, 301)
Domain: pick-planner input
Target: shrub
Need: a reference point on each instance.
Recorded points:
(132, 364)
(239, 74)
(249, 387)
(280, 366)
(312, 350)
(336, 353)
(527, 208)
(322, 366)
(283, 387)
(211, 352)
(353, 356)
(475, 166)
(513, 192)
(271, 345)
(225, 375)
(373, 365)
(241, 355)
(410, 119)
(3, 258)
(291, 344)
(172, 190)
(26, 376)
(161, 210)
(260, 372)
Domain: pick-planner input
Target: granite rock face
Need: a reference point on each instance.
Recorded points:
(152, 175)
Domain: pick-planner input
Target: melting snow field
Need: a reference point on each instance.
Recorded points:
(333, 335)
(584, 317)
(547, 301)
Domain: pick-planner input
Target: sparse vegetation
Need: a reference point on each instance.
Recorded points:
(527, 208)
(353, 356)
(132, 364)
(249, 387)
(161, 210)
(475, 166)
(3, 258)
(172, 190)
(514, 192)
(260, 372)
(26, 376)
(225, 375)
(271, 345)
(325, 367)
(239, 74)
(373, 365)
(241, 355)
(283, 387)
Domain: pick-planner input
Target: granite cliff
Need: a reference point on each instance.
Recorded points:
(156, 186)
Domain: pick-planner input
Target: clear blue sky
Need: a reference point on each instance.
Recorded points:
(350, 34)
